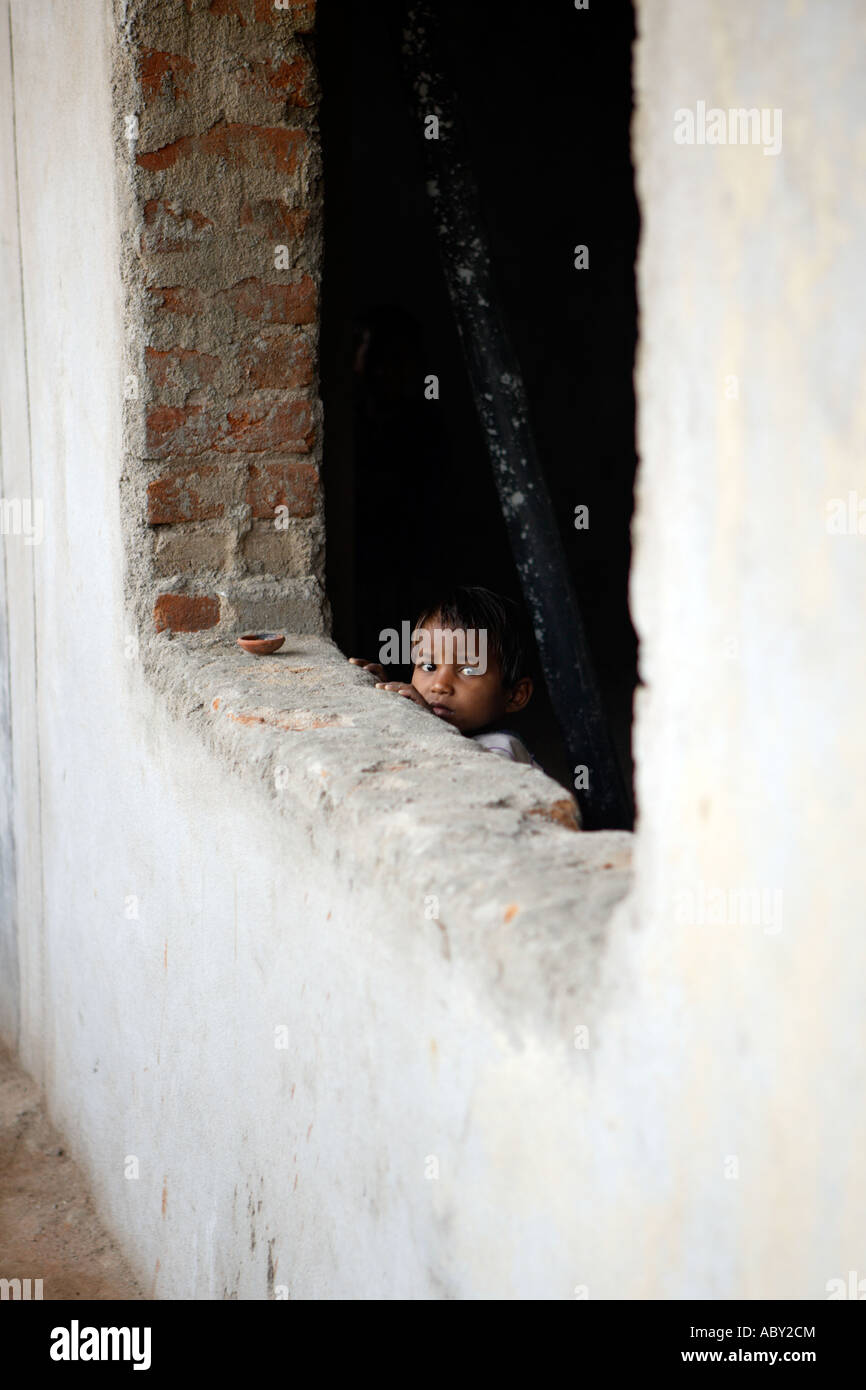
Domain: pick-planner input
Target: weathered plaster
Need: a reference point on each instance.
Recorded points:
(210, 849)
(232, 847)
(749, 730)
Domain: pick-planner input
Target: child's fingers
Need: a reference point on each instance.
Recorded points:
(407, 691)
(372, 666)
(397, 687)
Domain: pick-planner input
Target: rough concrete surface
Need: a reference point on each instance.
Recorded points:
(399, 791)
(49, 1228)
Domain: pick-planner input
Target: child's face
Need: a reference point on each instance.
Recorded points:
(469, 696)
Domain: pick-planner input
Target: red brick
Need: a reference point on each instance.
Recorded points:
(168, 228)
(265, 147)
(283, 484)
(167, 154)
(182, 431)
(287, 82)
(271, 147)
(274, 303)
(178, 299)
(178, 496)
(256, 428)
(228, 7)
(182, 368)
(273, 220)
(251, 298)
(153, 66)
(186, 613)
(275, 363)
(249, 426)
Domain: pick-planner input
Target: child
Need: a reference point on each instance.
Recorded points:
(469, 668)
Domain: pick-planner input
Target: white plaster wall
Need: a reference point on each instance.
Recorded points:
(604, 1168)
(313, 1166)
(750, 733)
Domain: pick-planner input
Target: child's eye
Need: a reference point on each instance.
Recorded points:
(471, 671)
(427, 666)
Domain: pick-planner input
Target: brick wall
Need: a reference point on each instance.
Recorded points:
(220, 179)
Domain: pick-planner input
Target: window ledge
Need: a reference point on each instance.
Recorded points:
(399, 802)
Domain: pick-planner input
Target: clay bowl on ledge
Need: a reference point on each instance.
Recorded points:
(261, 643)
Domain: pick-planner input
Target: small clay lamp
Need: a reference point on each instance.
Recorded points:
(261, 643)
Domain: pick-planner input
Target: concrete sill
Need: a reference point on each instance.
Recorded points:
(406, 808)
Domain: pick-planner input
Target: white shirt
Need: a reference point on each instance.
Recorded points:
(507, 745)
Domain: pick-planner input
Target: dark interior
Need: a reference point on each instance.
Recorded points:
(410, 497)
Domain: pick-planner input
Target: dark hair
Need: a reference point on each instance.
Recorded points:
(509, 635)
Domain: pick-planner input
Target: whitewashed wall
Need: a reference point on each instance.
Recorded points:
(751, 742)
(430, 1129)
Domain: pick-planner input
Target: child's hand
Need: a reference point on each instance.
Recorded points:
(372, 666)
(396, 687)
(407, 691)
